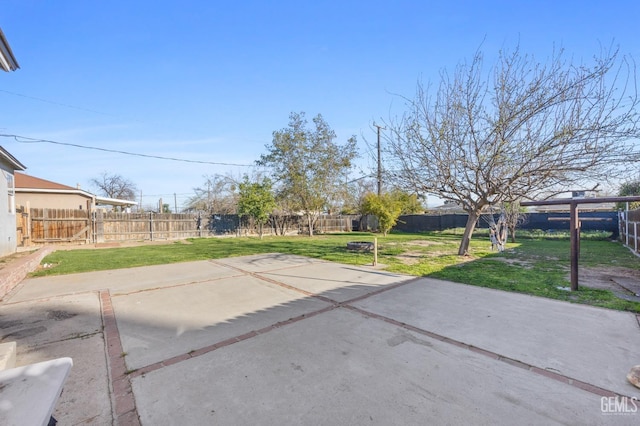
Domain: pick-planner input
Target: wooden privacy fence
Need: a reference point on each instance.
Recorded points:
(50, 226)
(58, 225)
(629, 226)
(23, 227)
(113, 226)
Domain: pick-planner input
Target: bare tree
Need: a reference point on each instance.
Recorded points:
(513, 215)
(115, 186)
(282, 215)
(516, 131)
(217, 195)
(354, 194)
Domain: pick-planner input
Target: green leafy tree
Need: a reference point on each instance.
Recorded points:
(354, 194)
(409, 203)
(386, 207)
(629, 188)
(307, 164)
(256, 200)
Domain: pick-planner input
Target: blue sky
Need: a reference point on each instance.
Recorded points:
(211, 80)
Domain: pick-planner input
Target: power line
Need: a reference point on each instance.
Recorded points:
(181, 194)
(57, 103)
(32, 140)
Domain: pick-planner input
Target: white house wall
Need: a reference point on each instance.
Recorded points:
(7, 220)
(53, 201)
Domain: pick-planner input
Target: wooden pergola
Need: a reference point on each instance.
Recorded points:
(574, 223)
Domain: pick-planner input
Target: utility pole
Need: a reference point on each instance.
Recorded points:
(379, 160)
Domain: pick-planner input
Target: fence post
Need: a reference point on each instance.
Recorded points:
(151, 225)
(28, 210)
(44, 223)
(375, 251)
(92, 224)
(635, 236)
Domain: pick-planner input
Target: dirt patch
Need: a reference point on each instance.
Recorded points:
(517, 262)
(621, 281)
(423, 243)
(410, 257)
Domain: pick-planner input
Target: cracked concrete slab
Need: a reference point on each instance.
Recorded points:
(235, 343)
(267, 262)
(163, 323)
(122, 281)
(68, 326)
(594, 345)
(85, 398)
(54, 319)
(341, 367)
(336, 281)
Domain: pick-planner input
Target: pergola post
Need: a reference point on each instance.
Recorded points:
(574, 225)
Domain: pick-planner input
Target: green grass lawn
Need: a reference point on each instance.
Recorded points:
(534, 265)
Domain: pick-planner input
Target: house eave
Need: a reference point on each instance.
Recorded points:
(13, 161)
(8, 62)
(115, 201)
(56, 191)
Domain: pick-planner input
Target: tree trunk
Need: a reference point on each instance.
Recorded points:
(468, 230)
(310, 224)
(260, 229)
(503, 233)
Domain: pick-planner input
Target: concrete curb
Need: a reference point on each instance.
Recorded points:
(13, 274)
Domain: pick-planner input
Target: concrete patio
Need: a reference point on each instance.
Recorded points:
(281, 339)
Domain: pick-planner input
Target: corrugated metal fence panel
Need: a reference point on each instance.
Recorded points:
(220, 224)
(600, 221)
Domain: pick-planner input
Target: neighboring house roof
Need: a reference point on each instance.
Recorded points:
(26, 183)
(7, 60)
(4, 155)
(582, 207)
(448, 208)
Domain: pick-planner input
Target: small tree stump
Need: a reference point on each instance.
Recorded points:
(360, 246)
